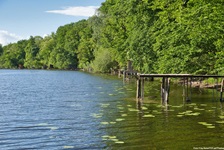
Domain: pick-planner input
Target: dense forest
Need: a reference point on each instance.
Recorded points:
(159, 36)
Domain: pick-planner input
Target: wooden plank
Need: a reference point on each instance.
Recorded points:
(180, 75)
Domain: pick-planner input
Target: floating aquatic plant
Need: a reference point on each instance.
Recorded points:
(208, 125)
(189, 113)
(132, 109)
(105, 136)
(144, 108)
(119, 142)
(220, 121)
(211, 127)
(120, 107)
(221, 117)
(120, 119)
(196, 108)
(97, 115)
(202, 123)
(149, 116)
(112, 138)
(104, 123)
(68, 147)
(192, 104)
(124, 115)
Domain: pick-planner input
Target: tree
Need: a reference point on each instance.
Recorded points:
(32, 50)
(103, 61)
(46, 48)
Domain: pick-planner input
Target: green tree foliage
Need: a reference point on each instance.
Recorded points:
(103, 61)
(159, 36)
(46, 47)
(32, 50)
(86, 45)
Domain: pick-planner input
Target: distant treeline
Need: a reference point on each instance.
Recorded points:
(159, 36)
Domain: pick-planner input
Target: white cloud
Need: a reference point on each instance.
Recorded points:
(76, 11)
(6, 37)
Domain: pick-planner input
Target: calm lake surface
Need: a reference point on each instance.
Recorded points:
(73, 110)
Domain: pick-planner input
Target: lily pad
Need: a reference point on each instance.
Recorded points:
(149, 116)
(202, 123)
(132, 109)
(112, 137)
(105, 136)
(120, 107)
(144, 108)
(221, 117)
(115, 140)
(195, 114)
(182, 113)
(119, 142)
(220, 121)
(120, 119)
(104, 123)
(124, 115)
(205, 124)
(211, 127)
(68, 147)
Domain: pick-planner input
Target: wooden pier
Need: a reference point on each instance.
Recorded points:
(165, 85)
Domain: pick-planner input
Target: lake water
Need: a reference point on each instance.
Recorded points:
(73, 110)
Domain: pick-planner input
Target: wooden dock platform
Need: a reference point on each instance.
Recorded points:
(165, 85)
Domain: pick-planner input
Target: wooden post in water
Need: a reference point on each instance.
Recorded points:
(142, 88)
(184, 91)
(165, 87)
(187, 94)
(124, 76)
(138, 92)
(221, 91)
(167, 90)
(191, 88)
(162, 90)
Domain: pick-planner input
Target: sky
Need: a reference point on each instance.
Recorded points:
(20, 19)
